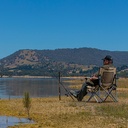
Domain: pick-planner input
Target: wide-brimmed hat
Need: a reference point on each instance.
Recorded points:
(108, 57)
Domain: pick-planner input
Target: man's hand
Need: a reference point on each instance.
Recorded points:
(94, 77)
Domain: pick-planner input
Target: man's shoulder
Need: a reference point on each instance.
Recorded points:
(107, 66)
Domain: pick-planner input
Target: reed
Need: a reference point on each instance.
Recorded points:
(27, 102)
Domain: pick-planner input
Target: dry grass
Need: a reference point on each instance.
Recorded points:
(76, 83)
(122, 82)
(52, 113)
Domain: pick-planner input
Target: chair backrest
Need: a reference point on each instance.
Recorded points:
(107, 76)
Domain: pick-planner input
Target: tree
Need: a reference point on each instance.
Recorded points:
(27, 102)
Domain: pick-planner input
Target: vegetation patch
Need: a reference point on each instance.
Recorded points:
(114, 110)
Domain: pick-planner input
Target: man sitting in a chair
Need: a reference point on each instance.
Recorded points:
(93, 81)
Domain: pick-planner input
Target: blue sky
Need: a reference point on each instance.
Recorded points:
(53, 24)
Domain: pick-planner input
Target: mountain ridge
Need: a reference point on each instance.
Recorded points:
(84, 56)
(70, 61)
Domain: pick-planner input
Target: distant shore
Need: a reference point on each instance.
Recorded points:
(27, 76)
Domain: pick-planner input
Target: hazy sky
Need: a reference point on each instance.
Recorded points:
(53, 24)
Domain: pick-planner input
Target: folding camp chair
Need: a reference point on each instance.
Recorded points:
(107, 84)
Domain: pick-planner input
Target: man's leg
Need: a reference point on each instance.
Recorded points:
(79, 94)
(82, 92)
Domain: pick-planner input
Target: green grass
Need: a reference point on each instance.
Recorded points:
(114, 110)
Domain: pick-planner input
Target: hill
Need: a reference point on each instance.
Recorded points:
(69, 61)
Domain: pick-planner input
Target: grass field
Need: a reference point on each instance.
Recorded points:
(52, 113)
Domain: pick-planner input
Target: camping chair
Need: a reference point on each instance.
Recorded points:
(107, 84)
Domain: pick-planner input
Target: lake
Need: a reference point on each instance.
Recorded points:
(37, 87)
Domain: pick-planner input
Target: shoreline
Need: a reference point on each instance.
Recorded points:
(27, 76)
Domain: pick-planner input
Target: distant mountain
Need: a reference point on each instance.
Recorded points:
(86, 56)
(66, 60)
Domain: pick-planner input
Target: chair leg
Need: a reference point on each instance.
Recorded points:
(90, 97)
(109, 94)
(94, 95)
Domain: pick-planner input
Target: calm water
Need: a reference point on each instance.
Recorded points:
(11, 121)
(37, 87)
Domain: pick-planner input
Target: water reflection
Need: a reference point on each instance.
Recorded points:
(6, 121)
(37, 87)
